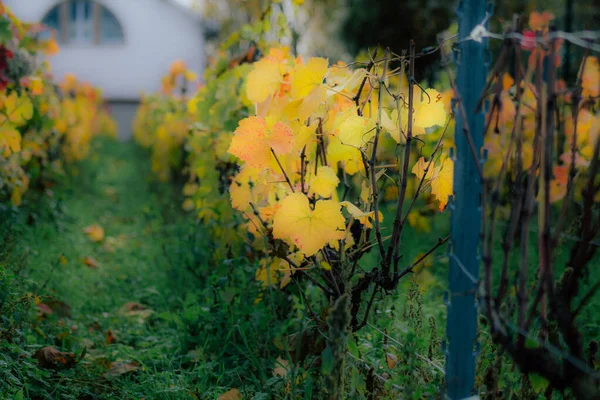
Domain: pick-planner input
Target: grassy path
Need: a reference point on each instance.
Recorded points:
(156, 319)
(119, 295)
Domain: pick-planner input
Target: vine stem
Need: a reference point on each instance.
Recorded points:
(374, 159)
(392, 251)
(287, 178)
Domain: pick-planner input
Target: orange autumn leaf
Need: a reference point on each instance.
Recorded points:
(507, 81)
(253, 140)
(90, 262)
(51, 48)
(540, 21)
(558, 185)
(178, 67)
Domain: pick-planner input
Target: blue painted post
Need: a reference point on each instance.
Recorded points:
(466, 211)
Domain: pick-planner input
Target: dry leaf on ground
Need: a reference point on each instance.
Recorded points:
(133, 309)
(281, 367)
(121, 368)
(91, 262)
(51, 358)
(110, 337)
(59, 308)
(232, 394)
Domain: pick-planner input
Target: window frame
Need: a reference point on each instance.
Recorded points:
(65, 21)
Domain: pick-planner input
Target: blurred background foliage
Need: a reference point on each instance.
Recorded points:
(343, 29)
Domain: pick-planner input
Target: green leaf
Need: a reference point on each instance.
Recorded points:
(353, 347)
(538, 382)
(327, 361)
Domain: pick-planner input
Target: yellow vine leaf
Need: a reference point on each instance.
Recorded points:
(17, 109)
(189, 189)
(347, 155)
(277, 271)
(245, 188)
(325, 183)
(36, 85)
(308, 229)
(395, 120)
(252, 141)
(429, 109)
(10, 140)
(591, 77)
(419, 169)
(364, 218)
(308, 77)
(356, 131)
(326, 266)
(188, 205)
(263, 81)
(16, 196)
(268, 275)
(311, 103)
(441, 184)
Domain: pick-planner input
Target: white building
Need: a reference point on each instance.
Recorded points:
(122, 46)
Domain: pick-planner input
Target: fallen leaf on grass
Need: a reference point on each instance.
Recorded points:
(60, 308)
(51, 358)
(391, 360)
(281, 367)
(95, 232)
(121, 368)
(232, 394)
(110, 337)
(90, 262)
(44, 310)
(133, 309)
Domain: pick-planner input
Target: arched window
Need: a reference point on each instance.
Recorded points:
(84, 22)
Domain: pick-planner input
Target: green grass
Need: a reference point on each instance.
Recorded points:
(189, 347)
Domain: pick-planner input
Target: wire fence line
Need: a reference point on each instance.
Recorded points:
(582, 39)
(576, 362)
